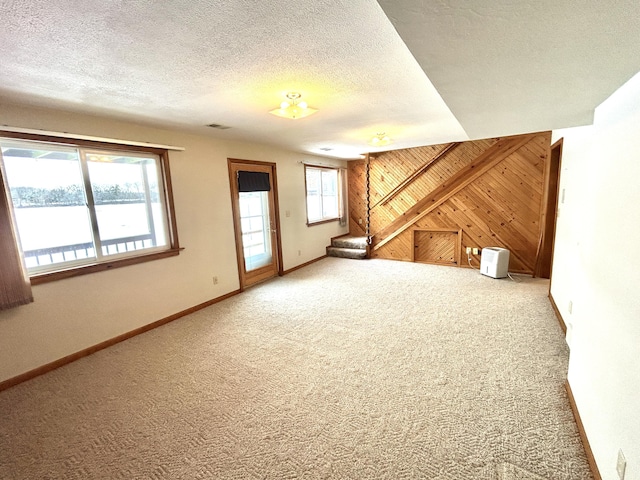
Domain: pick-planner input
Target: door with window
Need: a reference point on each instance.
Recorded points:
(256, 222)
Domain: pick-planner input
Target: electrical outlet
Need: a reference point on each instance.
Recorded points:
(621, 466)
(215, 280)
(570, 306)
(475, 251)
(299, 252)
(468, 250)
(287, 213)
(359, 221)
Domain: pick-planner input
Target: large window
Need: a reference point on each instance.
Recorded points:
(87, 205)
(323, 194)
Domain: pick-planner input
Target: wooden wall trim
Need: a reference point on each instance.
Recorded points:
(305, 264)
(583, 434)
(543, 213)
(419, 171)
(246, 278)
(23, 377)
(563, 325)
(536, 265)
(481, 164)
(549, 211)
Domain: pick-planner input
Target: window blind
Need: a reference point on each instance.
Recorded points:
(253, 182)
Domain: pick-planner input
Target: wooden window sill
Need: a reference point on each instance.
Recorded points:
(320, 222)
(40, 278)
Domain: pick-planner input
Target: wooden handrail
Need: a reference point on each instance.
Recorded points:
(419, 171)
(480, 165)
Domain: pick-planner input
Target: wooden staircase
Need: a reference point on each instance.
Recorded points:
(348, 247)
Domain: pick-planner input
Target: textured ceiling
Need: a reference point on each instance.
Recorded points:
(509, 66)
(500, 67)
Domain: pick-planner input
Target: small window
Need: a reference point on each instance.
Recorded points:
(77, 206)
(323, 194)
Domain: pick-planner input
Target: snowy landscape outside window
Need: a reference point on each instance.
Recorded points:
(76, 205)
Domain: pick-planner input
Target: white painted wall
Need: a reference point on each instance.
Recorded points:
(72, 314)
(597, 266)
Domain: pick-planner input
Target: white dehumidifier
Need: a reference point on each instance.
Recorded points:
(494, 262)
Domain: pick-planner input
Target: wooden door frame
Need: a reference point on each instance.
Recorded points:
(235, 214)
(546, 254)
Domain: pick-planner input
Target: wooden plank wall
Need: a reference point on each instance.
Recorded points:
(356, 177)
(490, 189)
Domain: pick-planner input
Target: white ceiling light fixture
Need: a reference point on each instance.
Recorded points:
(380, 140)
(293, 108)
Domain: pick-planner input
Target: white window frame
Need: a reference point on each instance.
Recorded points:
(323, 219)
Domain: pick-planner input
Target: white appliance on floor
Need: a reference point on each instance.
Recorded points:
(494, 262)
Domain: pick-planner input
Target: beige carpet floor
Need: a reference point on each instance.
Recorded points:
(344, 369)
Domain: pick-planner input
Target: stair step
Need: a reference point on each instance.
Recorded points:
(350, 242)
(341, 252)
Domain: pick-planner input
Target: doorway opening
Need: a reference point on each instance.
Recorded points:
(550, 211)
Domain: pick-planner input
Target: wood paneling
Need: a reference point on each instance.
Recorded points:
(491, 190)
(438, 246)
(405, 183)
(356, 177)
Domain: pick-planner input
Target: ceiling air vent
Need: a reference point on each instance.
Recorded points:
(326, 149)
(218, 126)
